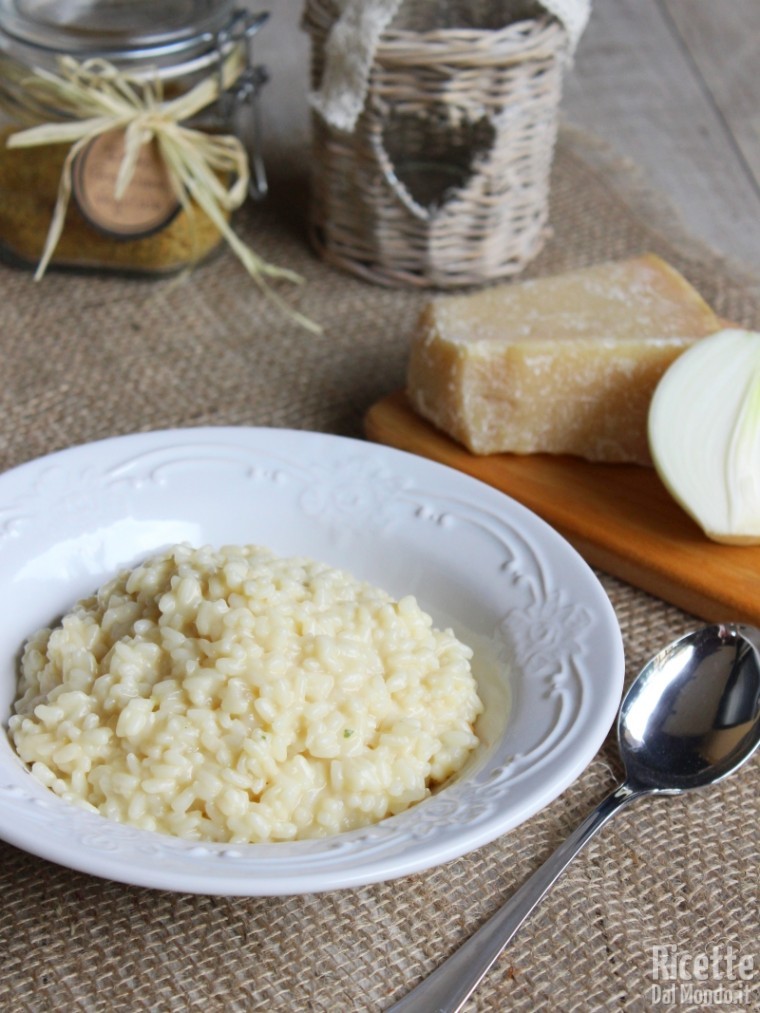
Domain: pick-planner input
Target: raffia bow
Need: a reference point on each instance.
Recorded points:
(94, 97)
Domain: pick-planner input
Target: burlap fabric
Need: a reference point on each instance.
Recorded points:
(84, 358)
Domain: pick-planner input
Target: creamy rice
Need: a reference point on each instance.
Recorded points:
(231, 695)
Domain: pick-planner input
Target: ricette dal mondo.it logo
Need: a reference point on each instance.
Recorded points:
(719, 977)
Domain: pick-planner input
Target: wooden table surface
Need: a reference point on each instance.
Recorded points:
(670, 84)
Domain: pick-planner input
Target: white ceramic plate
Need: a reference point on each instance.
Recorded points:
(548, 651)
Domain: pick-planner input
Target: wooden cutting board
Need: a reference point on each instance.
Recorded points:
(619, 517)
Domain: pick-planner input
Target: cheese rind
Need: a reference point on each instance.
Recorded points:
(563, 365)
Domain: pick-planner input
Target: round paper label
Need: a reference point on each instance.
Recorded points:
(148, 204)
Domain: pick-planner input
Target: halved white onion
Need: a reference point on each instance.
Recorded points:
(704, 434)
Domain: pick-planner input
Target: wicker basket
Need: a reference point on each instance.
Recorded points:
(445, 179)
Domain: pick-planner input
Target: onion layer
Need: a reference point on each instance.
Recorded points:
(704, 434)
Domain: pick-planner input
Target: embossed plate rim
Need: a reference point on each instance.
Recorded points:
(473, 556)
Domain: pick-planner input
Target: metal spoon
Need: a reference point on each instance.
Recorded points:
(691, 718)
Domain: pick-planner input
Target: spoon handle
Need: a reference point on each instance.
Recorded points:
(450, 985)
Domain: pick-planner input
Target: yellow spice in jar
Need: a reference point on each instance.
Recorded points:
(29, 179)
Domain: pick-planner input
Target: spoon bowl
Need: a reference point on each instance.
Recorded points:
(690, 719)
(693, 714)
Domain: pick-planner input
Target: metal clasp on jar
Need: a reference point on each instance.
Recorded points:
(240, 31)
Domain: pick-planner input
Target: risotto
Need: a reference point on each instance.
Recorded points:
(232, 695)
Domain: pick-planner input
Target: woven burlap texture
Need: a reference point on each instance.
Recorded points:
(85, 358)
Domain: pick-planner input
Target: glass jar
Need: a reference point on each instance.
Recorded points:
(170, 49)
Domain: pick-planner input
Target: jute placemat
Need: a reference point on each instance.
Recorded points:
(84, 358)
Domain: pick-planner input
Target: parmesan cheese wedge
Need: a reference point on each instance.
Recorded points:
(562, 365)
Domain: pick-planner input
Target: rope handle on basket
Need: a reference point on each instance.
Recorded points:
(353, 40)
